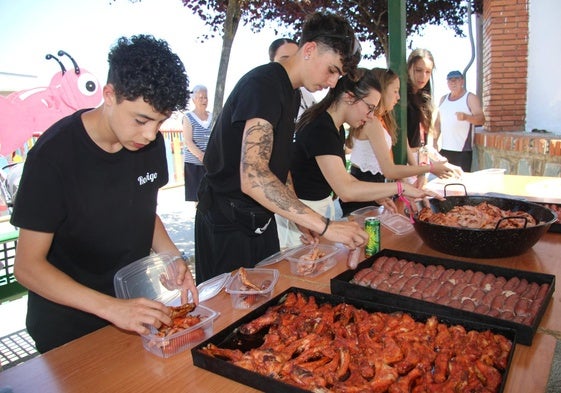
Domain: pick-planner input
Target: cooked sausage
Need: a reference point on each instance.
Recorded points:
(522, 307)
(498, 303)
(388, 266)
(379, 262)
(531, 291)
(409, 269)
(410, 285)
(430, 291)
(438, 272)
(500, 282)
(482, 309)
(477, 278)
(493, 312)
(521, 288)
(468, 304)
(398, 285)
(467, 292)
(444, 291)
(489, 296)
(367, 280)
(357, 279)
(383, 286)
(419, 269)
(457, 277)
(422, 284)
(400, 265)
(488, 281)
(542, 292)
(510, 302)
(455, 303)
(380, 278)
(509, 316)
(416, 295)
(457, 290)
(353, 258)
(477, 296)
(447, 274)
(429, 271)
(468, 274)
(511, 284)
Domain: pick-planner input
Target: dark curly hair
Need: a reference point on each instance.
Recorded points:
(143, 66)
(336, 33)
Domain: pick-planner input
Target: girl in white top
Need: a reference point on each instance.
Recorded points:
(371, 156)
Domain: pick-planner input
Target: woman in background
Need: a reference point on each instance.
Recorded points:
(371, 157)
(196, 132)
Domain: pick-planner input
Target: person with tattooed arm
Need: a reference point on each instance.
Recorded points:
(248, 155)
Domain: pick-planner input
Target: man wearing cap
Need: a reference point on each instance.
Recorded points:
(459, 112)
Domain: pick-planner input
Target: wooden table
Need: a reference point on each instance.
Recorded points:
(110, 360)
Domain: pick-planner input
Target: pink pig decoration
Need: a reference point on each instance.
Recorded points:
(31, 111)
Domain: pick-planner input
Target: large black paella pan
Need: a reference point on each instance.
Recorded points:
(484, 243)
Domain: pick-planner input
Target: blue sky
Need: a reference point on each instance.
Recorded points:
(86, 29)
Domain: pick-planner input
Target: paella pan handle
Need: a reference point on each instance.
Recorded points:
(512, 218)
(455, 184)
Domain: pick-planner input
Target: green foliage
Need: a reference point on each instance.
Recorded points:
(368, 17)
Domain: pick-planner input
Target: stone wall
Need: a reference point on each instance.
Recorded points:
(519, 153)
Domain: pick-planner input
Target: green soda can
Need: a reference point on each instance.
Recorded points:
(372, 227)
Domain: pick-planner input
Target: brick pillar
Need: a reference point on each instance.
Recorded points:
(505, 64)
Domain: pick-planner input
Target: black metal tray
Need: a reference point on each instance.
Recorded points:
(341, 285)
(229, 337)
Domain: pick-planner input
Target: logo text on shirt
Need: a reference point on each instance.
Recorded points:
(150, 177)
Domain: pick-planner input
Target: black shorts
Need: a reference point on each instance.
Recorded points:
(221, 246)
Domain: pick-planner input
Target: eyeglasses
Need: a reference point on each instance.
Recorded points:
(350, 40)
(371, 108)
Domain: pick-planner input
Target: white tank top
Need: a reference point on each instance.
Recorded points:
(363, 157)
(455, 135)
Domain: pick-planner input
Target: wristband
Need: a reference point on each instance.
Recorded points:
(399, 189)
(175, 258)
(431, 167)
(404, 200)
(327, 221)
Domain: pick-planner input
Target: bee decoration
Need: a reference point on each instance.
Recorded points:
(26, 113)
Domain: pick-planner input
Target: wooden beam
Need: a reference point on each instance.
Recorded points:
(397, 62)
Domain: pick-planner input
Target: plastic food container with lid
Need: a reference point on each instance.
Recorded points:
(154, 277)
(243, 297)
(313, 259)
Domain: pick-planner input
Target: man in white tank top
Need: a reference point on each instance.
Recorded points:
(459, 112)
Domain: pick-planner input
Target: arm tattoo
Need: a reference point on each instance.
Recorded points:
(257, 147)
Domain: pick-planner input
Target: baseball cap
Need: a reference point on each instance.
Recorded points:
(454, 74)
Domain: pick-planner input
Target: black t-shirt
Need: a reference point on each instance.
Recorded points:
(101, 208)
(413, 129)
(319, 138)
(264, 92)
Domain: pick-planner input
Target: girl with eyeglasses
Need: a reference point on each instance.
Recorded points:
(318, 165)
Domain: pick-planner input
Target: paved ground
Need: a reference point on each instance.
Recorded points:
(178, 217)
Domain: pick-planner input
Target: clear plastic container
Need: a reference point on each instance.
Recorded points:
(184, 339)
(397, 223)
(243, 298)
(368, 211)
(303, 263)
(154, 277)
